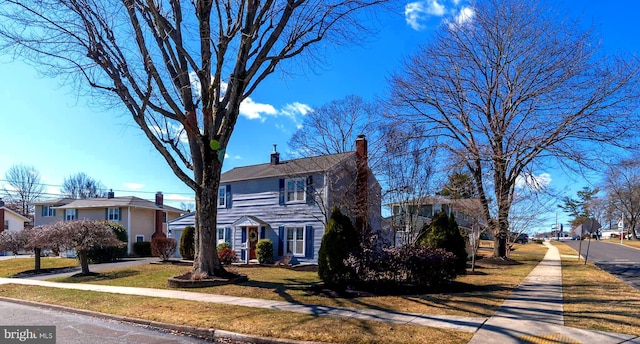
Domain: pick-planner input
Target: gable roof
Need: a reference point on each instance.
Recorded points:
(55, 201)
(127, 201)
(295, 167)
(23, 218)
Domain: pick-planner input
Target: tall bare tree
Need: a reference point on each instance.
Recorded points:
(25, 187)
(513, 89)
(180, 68)
(622, 185)
(82, 186)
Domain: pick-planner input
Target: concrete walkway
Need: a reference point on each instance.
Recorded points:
(533, 313)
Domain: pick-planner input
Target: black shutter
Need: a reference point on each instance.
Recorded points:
(281, 241)
(281, 186)
(308, 250)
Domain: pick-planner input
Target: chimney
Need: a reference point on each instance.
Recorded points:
(110, 194)
(275, 156)
(158, 230)
(362, 185)
(1, 216)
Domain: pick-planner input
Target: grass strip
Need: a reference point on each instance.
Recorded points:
(596, 300)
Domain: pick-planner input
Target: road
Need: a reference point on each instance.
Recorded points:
(74, 328)
(618, 260)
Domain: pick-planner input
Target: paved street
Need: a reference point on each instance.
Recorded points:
(74, 328)
(618, 260)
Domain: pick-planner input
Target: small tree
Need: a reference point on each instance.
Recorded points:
(38, 239)
(187, 243)
(82, 236)
(443, 232)
(338, 243)
(163, 247)
(264, 251)
(12, 241)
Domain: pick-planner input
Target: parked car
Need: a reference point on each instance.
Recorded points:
(575, 237)
(522, 238)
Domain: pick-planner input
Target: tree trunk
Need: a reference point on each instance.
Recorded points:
(206, 260)
(36, 253)
(84, 262)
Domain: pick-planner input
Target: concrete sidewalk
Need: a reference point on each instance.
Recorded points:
(533, 313)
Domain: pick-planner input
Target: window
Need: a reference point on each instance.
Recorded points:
(295, 241)
(48, 211)
(221, 236)
(139, 238)
(113, 214)
(164, 217)
(70, 214)
(222, 197)
(6, 225)
(295, 190)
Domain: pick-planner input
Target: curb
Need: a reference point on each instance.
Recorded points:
(209, 334)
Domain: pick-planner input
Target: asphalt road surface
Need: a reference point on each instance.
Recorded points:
(618, 260)
(74, 328)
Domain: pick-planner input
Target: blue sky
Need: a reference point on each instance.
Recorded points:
(45, 124)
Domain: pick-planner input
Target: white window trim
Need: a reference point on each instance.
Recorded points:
(110, 214)
(224, 234)
(304, 241)
(140, 236)
(303, 191)
(66, 214)
(222, 204)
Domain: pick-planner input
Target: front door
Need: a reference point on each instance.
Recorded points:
(252, 234)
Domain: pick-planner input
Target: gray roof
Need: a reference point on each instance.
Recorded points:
(128, 201)
(55, 201)
(295, 167)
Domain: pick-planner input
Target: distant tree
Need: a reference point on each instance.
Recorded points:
(82, 236)
(25, 187)
(81, 186)
(459, 185)
(333, 127)
(579, 208)
(181, 69)
(622, 186)
(513, 88)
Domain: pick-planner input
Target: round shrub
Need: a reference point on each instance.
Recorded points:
(142, 249)
(187, 243)
(338, 243)
(163, 247)
(110, 254)
(221, 246)
(264, 251)
(227, 256)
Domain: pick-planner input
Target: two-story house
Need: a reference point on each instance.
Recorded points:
(409, 216)
(141, 218)
(289, 202)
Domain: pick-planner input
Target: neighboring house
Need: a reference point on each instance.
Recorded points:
(141, 218)
(289, 202)
(409, 217)
(10, 220)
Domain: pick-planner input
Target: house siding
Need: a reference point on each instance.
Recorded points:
(261, 199)
(40, 220)
(16, 223)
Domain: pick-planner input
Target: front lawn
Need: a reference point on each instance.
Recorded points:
(12, 266)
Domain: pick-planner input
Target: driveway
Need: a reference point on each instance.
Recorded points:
(618, 260)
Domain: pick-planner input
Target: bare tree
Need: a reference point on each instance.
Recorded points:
(513, 89)
(622, 185)
(81, 186)
(180, 68)
(333, 128)
(25, 187)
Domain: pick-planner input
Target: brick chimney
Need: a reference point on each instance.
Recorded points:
(158, 233)
(275, 156)
(362, 185)
(1, 216)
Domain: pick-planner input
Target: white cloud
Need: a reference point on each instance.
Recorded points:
(237, 157)
(253, 110)
(533, 182)
(133, 186)
(452, 12)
